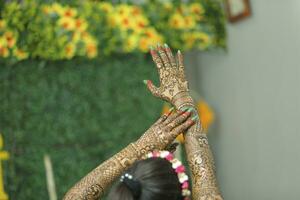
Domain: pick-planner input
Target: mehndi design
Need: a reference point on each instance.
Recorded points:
(173, 85)
(158, 136)
(174, 89)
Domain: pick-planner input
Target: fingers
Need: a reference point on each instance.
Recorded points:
(164, 116)
(178, 120)
(164, 57)
(157, 60)
(184, 126)
(153, 89)
(180, 61)
(170, 56)
(173, 116)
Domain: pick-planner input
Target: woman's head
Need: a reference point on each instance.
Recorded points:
(152, 179)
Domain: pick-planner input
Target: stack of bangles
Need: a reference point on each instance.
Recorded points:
(179, 169)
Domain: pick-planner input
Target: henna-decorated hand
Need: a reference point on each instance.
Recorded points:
(164, 131)
(173, 84)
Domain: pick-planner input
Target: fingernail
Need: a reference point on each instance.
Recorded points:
(184, 108)
(192, 122)
(145, 82)
(195, 118)
(171, 109)
(186, 113)
(190, 109)
(166, 45)
(179, 51)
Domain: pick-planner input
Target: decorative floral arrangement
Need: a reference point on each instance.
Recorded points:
(31, 29)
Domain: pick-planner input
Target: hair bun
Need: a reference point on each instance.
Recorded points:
(133, 185)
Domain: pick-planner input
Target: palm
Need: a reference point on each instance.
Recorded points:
(171, 74)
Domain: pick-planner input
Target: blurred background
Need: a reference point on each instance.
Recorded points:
(71, 82)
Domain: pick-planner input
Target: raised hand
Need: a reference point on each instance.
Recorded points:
(173, 84)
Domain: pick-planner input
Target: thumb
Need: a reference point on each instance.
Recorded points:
(153, 89)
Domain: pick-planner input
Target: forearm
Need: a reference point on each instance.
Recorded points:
(201, 163)
(199, 156)
(93, 185)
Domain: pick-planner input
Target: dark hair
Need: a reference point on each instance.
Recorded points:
(157, 180)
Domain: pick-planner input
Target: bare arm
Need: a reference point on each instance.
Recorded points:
(174, 89)
(158, 136)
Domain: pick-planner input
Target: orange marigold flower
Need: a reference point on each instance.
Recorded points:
(196, 8)
(70, 50)
(67, 23)
(136, 11)
(20, 54)
(4, 52)
(10, 39)
(70, 12)
(206, 114)
(91, 50)
(80, 25)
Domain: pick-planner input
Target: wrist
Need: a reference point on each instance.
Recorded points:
(142, 147)
(183, 99)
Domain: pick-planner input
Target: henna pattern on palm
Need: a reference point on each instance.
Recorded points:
(158, 136)
(174, 89)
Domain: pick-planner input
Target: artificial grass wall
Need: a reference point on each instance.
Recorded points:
(79, 112)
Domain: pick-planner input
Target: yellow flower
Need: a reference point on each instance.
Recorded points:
(196, 8)
(2, 24)
(131, 42)
(176, 21)
(106, 7)
(87, 38)
(123, 10)
(48, 9)
(189, 40)
(206, 114)
(196, 39)
(20, 54)
(125, 22)
(76, 36)
(80, 25)
(136, 11)
(204, 38)
(67, 23)
(144, 44)
(91, 50)
(150, 38)
(189, 22)
(10, 39)
(140, 23)
(59, 9)
(3, 42)
(70, 50)
(70, 12)
(4, 52)
(113, 20)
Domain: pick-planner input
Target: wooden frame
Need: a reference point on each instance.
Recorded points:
(237, 9)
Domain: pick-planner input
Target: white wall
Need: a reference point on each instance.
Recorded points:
(254, 89)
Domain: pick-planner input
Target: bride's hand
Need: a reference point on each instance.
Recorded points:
(163, 132)
(173, 84)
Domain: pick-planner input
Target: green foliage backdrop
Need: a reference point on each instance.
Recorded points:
(80, 112)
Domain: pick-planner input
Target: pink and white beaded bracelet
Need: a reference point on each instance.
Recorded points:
(179, 169)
